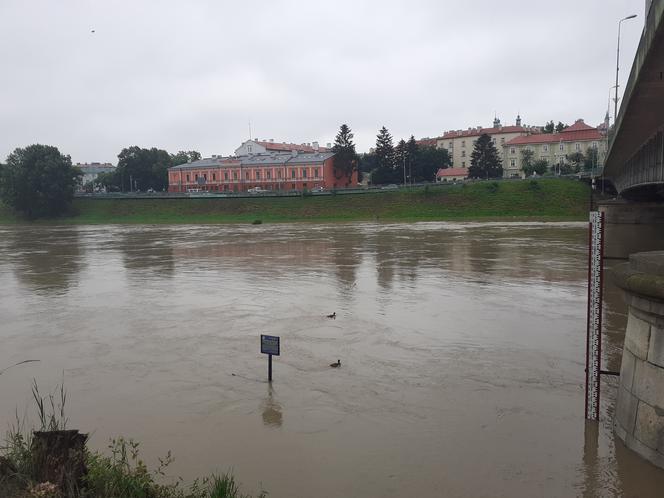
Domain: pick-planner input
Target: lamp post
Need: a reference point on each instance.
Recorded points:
(615, 100)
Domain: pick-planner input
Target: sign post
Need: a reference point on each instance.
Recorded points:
(269, 346)
(594, 326)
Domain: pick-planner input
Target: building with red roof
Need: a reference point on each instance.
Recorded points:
(451, 174)
(460, 143)
(554, 148)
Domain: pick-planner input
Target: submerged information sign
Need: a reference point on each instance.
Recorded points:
(270, 344)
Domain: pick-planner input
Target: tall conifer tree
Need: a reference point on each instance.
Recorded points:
(484, 161)
(345, 159)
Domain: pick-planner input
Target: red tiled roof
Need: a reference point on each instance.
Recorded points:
(290, 147)
(452, 172)
(578, 125)
(565, 136)
(427, 142)
(474, 132)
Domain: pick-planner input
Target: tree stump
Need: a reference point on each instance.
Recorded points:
(58, 457)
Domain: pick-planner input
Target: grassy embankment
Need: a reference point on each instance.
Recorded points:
(542, 199)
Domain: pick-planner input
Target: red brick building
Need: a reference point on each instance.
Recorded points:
(275, 171)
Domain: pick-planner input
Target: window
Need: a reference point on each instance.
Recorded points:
(594, 145)
(463, 164)
(234, 175)
(493, 140)
(577, 147)
(279, 174)
(463, 153)
(561, 146)
(246, 175)
(451, 145)
(196, 177)
(226, 175)
(512, 150)
(316, 173)
(463, 143)
(304, 172)
(292, 174)
(513, 163)
(258, 175)
(187, 177)
(248, 148)
(214, 176)
(205, 176)
(502, 140)
(268, 174)
(293, 186)
(545, 148)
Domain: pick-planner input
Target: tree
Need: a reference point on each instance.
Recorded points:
(345, 159)
(384, 150)
(560, 127)
(143, 168)
(576, 159)
(527, 159)
(591, 161)
(484, 161)
(541, 166)
(428, 161)
(548, 127)
(401, 159)
(38, 181)
(385, 171)
(183, 157)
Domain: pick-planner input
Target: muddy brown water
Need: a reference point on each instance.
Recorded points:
(461, 348)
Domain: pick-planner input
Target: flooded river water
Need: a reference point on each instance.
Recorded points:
(461, 348)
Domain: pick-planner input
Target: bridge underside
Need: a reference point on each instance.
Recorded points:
(635, 162)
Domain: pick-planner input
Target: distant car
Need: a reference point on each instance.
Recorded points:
(150, 191)
(257, 190)
(318, 189)
(391, 186)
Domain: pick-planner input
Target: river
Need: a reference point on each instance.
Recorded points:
(461, 346)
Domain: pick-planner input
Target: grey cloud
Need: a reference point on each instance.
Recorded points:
(190, 75)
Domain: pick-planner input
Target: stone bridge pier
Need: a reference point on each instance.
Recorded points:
(632, 227)
(639, 420)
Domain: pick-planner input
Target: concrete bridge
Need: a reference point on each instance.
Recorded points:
(635, 229)
(635, 161)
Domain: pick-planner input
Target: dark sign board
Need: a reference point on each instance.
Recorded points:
(270, 344)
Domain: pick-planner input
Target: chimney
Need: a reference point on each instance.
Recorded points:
(315, 146)
(272, 140)
(518, 120)
(329, 145)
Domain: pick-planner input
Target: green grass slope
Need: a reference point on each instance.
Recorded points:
(542, 199)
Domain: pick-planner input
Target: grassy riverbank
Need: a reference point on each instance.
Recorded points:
(542, 199)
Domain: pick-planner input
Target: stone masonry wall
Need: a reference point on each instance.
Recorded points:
(639, 420)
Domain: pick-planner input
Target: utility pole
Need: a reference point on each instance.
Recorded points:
(615, 100)
(404, 169)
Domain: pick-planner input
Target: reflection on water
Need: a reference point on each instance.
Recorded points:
(272, 416)
(46, 262)
(462, 347)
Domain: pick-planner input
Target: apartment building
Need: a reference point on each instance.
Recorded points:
(460, 143)
(554, 147)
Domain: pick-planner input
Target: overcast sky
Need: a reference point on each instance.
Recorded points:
(193, 74)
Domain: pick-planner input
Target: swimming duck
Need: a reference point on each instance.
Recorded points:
(333, 316)
(336, 365)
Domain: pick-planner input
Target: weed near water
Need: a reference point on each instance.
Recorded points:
(118, 473)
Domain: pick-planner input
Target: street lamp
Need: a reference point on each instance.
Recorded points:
(615, 101)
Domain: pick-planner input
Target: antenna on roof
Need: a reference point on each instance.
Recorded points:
(250, 129)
